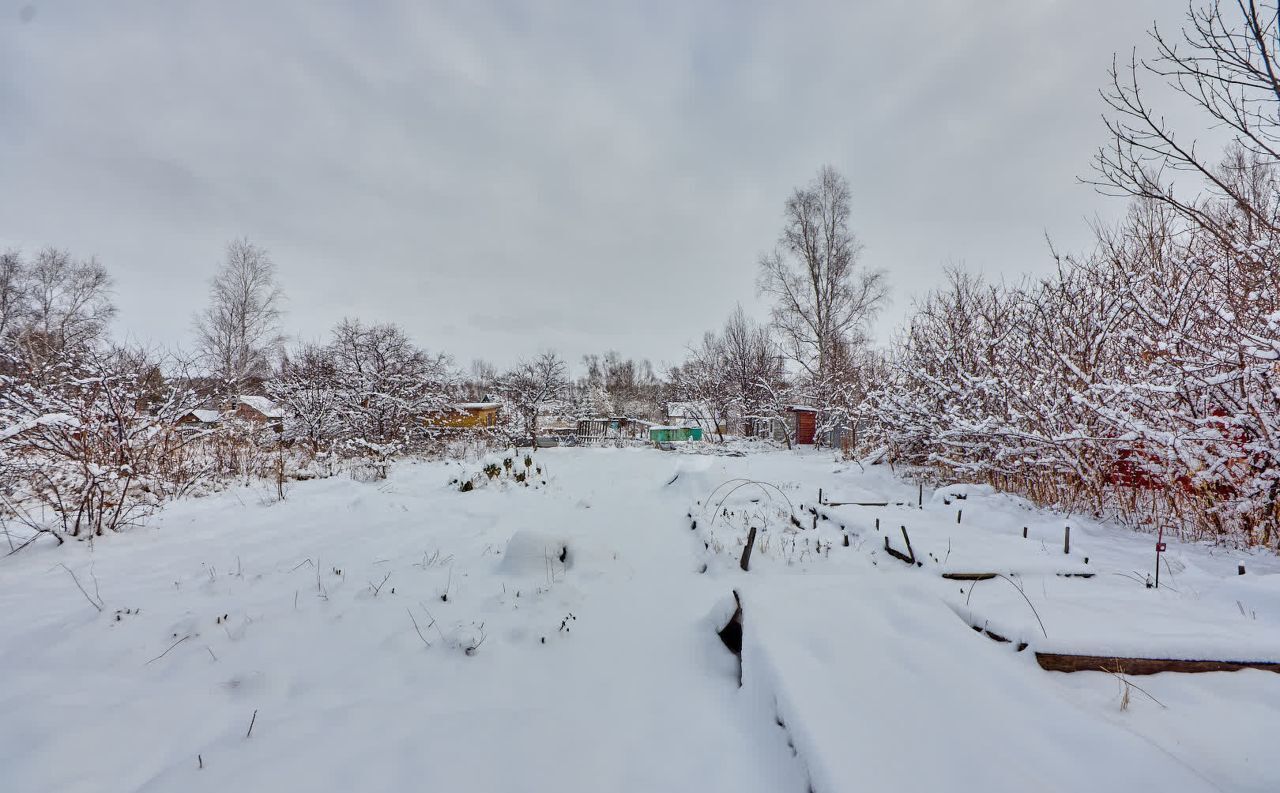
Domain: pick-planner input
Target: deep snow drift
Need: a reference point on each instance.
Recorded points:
(404, 635)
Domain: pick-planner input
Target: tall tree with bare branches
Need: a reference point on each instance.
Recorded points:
(822, 297)
(239, 331)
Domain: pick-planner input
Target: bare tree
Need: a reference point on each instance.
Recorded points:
(1223, 65)
(534, 387)
(753, 371)
(67, 303)
(239, 331)
(479, 380)
(387, 387)
(306, 387)
(614, 384)
(13, 293)
(822, 297)
(701, 383)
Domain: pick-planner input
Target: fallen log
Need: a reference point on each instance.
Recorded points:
(986, 576)
(1064, 662)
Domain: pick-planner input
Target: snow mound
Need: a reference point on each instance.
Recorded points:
(960, 491)
(534, 553)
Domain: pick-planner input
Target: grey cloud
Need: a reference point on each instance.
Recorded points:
(602, 174)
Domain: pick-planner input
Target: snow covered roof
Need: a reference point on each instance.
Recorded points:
(42, 421)
(477, 405)
(263, 405)
(204, 416)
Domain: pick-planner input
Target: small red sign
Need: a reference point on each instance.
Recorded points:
(1160, 547)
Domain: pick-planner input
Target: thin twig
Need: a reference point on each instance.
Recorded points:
(416, 628)
(1129, 682)
(251, 723)
(97, 604)
(1029, 603)
(166, 652)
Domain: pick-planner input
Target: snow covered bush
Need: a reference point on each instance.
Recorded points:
(89, 443)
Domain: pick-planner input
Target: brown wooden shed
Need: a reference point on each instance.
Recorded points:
(806, 423)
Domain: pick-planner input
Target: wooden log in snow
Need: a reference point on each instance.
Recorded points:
(745, 563)
(1063, 662)
(896, 554)
(986, 576)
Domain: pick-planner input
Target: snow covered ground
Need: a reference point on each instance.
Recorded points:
(404, 635)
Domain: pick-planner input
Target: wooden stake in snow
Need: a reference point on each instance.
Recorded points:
(920, 496)
(1024, 532)
(1066, 540)
(959, 512)
(746, 552)
(1240, 570)
(1159, 550)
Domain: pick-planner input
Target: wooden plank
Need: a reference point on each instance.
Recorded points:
(862, 504)
(1063, 662)
(895, 553)
(986, 576)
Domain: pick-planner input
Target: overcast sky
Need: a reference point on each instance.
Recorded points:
(582, 176)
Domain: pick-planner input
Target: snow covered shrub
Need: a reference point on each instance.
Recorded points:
(1143, 379)
(1140, 382)
(89, 442)
(500, 471)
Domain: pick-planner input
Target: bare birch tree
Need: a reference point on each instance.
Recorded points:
(238, 333)
(823, 298)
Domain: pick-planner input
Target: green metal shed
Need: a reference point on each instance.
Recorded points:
(669, 434)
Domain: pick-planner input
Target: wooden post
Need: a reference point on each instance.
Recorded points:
(819, 495)
(910, 552)
(959, 512)
(846, 540)
(920, 496)
(1066, 540)
(1159, 548)
(1024, 532)
(878, 529)
(746, 552)
(1240, 570)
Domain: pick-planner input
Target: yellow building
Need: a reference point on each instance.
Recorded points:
(468, 415)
